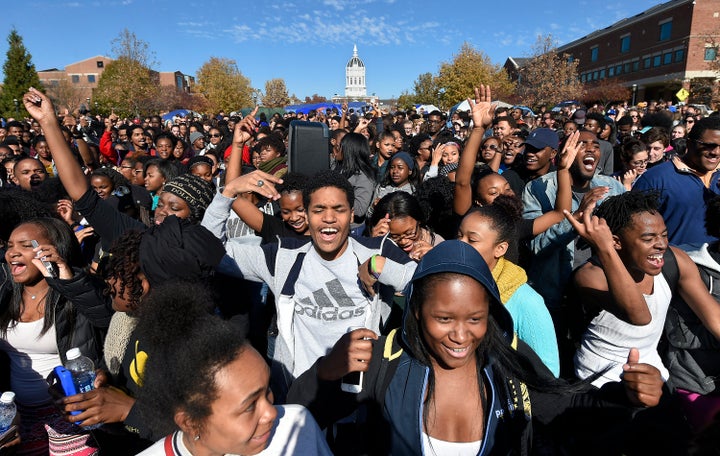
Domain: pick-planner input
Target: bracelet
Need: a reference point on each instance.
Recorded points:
(371, 268)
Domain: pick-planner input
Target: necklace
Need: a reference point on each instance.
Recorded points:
(34, 296)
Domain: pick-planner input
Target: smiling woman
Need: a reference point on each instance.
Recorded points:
(210, 389)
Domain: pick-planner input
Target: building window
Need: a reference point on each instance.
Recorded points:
(657, 60)
(594, 54)
(680, 55)
(647, 63)
(625, 44)
(626, 68)
(611, 72)
(636, 65)
(666, 30)
(596, 76)
(75, 78)
(100, 63)
(618, 70)
(91, 78)
(667, 58)
(583, 78)
(710, 53)
(602, 74)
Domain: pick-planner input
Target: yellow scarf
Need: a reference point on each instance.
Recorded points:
(509, 277)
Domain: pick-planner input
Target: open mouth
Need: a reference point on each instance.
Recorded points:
(589, 163)
(328, 234)
(297, 224)
(656, 260)
(457, 352)
(17, 268)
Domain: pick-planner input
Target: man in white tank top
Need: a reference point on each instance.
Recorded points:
(624, 288)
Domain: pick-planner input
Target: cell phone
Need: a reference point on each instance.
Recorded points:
(69, 388)
(48, 265)
(9, 435)
(352, 382)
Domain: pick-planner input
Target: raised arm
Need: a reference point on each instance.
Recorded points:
(611, 287)
(242, 134)
(563, 198)
(482, 111)
(41, 109)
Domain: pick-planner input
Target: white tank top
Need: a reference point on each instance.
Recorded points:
(32, 357)
(433, 446)
(608, 340)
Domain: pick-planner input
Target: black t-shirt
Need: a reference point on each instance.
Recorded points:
(273, 227)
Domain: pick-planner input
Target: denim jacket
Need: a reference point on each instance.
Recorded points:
(553, 250)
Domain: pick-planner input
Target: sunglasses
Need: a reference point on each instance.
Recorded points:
(216, 136)
(491, 147)
(705, 145)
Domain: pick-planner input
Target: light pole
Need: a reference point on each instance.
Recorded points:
(17, 105)
(634, 93)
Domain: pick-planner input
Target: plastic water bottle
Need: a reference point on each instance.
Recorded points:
(82, 368)
(7, 410)
(83, 373)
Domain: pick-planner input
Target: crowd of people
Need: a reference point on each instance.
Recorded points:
(504, 282)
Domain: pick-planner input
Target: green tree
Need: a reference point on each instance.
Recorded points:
(406, 100)
(276, 94)
(549, 77)
(468, 69)
(223, 85)
(426, 89)
(20, 74)
(128, 86)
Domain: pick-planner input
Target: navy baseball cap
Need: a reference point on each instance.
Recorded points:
(541, 138)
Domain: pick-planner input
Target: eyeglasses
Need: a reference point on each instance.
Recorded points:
(689, 120)
(706, 146)
(634, 116)
(491, 147)
(406, 236)
(216, 136)
(639, 163)
(434, 121)
(126, 167)
(138, 171)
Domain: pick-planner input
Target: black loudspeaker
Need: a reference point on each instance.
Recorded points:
(309, 147)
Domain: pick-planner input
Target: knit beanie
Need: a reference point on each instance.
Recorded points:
(196, 192)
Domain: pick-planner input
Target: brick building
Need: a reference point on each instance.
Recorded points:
(655, 52)
(85, 74)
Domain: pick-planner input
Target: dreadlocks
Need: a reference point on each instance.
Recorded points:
(618, 210)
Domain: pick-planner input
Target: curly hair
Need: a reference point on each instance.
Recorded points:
(189, 351)
(435, 196)
(618, 210)
(328, 178)
(123, 265)
(18, 206)
(293, 182)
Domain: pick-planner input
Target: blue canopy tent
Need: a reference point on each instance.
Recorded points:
(306, 108)
(177, 112)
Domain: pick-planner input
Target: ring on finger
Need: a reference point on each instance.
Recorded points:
(260, 182)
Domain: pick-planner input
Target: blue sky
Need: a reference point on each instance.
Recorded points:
(307, 43)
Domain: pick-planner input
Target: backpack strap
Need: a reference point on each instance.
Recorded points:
(670, 270)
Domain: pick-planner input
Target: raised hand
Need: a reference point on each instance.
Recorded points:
(245, 130)
(570, 150)
(39, 106)
(482, 109)
(592, 228)
(256, 181)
